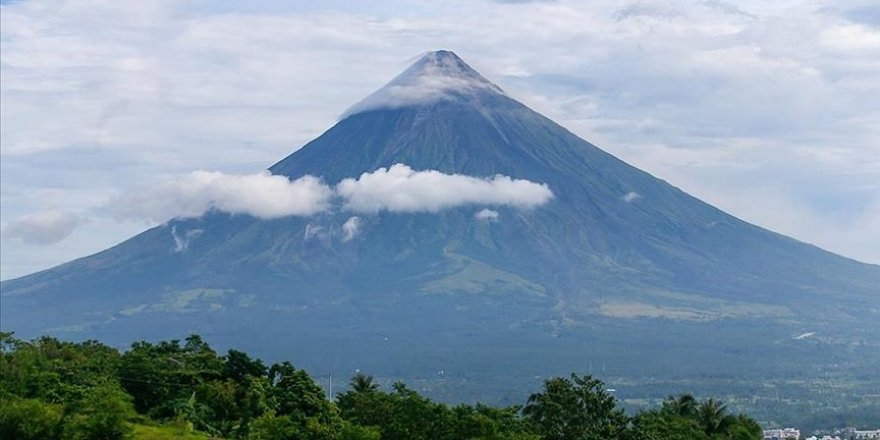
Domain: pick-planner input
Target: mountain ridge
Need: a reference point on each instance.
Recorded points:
(617, 255)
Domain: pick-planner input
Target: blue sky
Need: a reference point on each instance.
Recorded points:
(767, 110)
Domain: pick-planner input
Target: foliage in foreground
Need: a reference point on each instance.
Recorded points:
(50, 389)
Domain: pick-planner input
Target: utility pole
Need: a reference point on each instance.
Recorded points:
(330, 386)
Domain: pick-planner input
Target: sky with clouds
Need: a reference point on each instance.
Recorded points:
(767, 110)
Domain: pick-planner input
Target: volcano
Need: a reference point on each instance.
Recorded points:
(618, 270)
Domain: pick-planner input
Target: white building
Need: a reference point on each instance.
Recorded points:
(782, 434)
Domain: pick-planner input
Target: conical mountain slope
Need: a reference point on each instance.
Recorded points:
(661, 231)
(616, 258)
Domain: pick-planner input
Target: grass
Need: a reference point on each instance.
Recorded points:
(166, 432)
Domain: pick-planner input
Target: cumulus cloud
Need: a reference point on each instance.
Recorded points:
(631, 197)
(261, 195)
(42, 228)
(488, 215)
(351, 228)
(402, 189)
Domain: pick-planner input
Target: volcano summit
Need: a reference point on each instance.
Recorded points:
(466, 233)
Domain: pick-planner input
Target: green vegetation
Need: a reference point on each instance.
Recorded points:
(166, 432)
(50, 389)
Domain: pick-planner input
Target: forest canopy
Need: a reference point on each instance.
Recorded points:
(53, 389)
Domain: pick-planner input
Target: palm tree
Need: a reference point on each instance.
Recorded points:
(713, 417)
(362, 383)
(685, 405)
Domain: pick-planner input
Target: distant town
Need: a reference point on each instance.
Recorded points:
(837, 434)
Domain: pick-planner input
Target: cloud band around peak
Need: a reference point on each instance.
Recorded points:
(398, 189)
(261, 195)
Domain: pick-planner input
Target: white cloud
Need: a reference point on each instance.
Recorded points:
(647, 9)
(89, 96)
(267, 196)
(489, 215)
(852, 37)
(314, 231)
(43, 227)
(728, 8)
(402, 189)
(351, 228)
(436, 76)
(631, 197)
(260, 195)
(181, 241)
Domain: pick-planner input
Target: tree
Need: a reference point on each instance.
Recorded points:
(54, 371)
(578, 408)
(712, 416)
(362, 383)
(238, 365)
(222, 407)
(351, 431)
(52, 389)
(29, 419)
(745, 428)
(664, 424)
(158, 374)
(411, 416)
(684, 405)
(296, 395)
(270, 427)
(364, 404)
(255, 399)
(150, 373)
(102, 414)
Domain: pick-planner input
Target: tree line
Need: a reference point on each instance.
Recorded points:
(53, 389)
